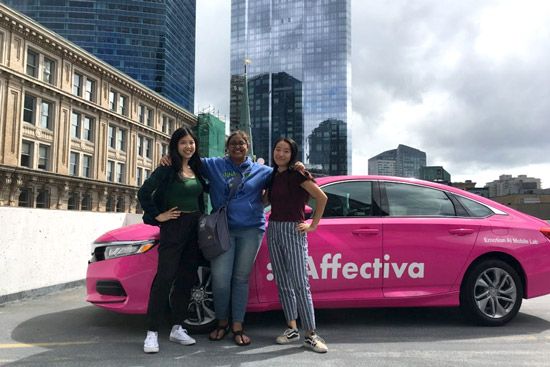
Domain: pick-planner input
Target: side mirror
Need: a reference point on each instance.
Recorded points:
(308, 211)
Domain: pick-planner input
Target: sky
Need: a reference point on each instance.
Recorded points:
(467, 82)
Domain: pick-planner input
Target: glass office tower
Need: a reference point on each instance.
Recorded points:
(151, 41)
(310, 40)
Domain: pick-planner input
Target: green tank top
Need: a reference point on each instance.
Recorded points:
(183, 194)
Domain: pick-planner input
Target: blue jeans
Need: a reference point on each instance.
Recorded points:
(230, 272)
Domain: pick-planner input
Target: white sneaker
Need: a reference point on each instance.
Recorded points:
(179, 335)
(315, 343)
(151, 343)
(289, 336)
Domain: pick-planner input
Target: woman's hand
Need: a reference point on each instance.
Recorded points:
(165, 160)
(299, 166)
(169, 214)
(305, 228)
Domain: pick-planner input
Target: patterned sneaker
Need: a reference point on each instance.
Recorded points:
(151, 343)
(179, 335)
(289, 336)
(315, 343)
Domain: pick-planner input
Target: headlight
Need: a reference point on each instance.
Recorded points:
(105, 251)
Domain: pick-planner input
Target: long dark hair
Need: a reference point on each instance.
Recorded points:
(177, 161)
(293, 159)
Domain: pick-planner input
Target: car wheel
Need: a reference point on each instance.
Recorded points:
(201, 316)
(491, 293)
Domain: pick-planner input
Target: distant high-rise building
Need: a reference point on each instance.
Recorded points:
(435, 174)
(508, 185)
(276, 109)
(327, 148)
(151, 41)
(403, 162)
(308, 40)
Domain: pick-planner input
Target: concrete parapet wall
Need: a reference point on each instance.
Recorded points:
(42, 248)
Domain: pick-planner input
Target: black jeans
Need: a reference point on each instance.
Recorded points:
(178, 261)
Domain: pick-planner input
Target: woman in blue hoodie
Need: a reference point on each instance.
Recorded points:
(245, 214)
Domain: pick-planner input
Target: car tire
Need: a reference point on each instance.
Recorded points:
(491, 293)
(201, 317)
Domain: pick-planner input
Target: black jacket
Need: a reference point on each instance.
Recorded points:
(151, 194)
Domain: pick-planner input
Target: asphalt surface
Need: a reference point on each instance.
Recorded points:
(61, 329)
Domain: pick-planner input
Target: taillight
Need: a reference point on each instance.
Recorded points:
(545, 231)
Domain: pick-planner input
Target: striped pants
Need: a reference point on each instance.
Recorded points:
(288, 254)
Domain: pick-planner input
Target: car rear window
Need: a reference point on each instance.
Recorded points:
(474, 209)
(412, 200)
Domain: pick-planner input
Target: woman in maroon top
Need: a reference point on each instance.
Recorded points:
(288, 193)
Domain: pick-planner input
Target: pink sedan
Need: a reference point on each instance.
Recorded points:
(382, 242)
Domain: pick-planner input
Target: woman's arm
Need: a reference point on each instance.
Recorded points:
(320, 200)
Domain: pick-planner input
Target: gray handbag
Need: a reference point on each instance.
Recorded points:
(214, 230)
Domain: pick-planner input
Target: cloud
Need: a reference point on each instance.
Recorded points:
(467, 82)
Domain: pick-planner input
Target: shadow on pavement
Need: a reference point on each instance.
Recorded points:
(92, 336)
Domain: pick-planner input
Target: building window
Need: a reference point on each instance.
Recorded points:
(32, 63)
(147, 173)
(43, 199)
(118, 102)
(26, 153)
(87, 165)
(73, 164)
(89, 90)
(75, 125)
(167, 125)
(48, 71)
(46, 115)
(144, 146)
(29, 108)
(72, 203)
(119, 205)
(119, 174)
(109, 206)
(86, 203)
(24, 198)
(141, 114)
(111, 137)
(82, 126)
(149, 117)
(110, 171)
(112, 101)
(164, 149)
(43, 157)
(123, 105)
(88, 128)
(77, 84)
(121, 139)
(139, 176)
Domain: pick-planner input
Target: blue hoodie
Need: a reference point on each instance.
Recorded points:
(246, 209)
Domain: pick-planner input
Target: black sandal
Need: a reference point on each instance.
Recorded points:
(240, 333)
(217, 338)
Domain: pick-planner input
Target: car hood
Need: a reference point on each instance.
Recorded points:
(134, 232)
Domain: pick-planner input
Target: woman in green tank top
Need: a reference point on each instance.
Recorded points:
(172, 198)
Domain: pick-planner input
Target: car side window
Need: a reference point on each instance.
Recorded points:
(412, 200)
(348, 199)
(474, 209)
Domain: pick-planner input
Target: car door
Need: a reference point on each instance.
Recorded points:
(425, 243)
(341, 250)
(348, 238)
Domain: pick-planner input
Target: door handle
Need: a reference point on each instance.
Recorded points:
(365, 231)
(461, 231)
